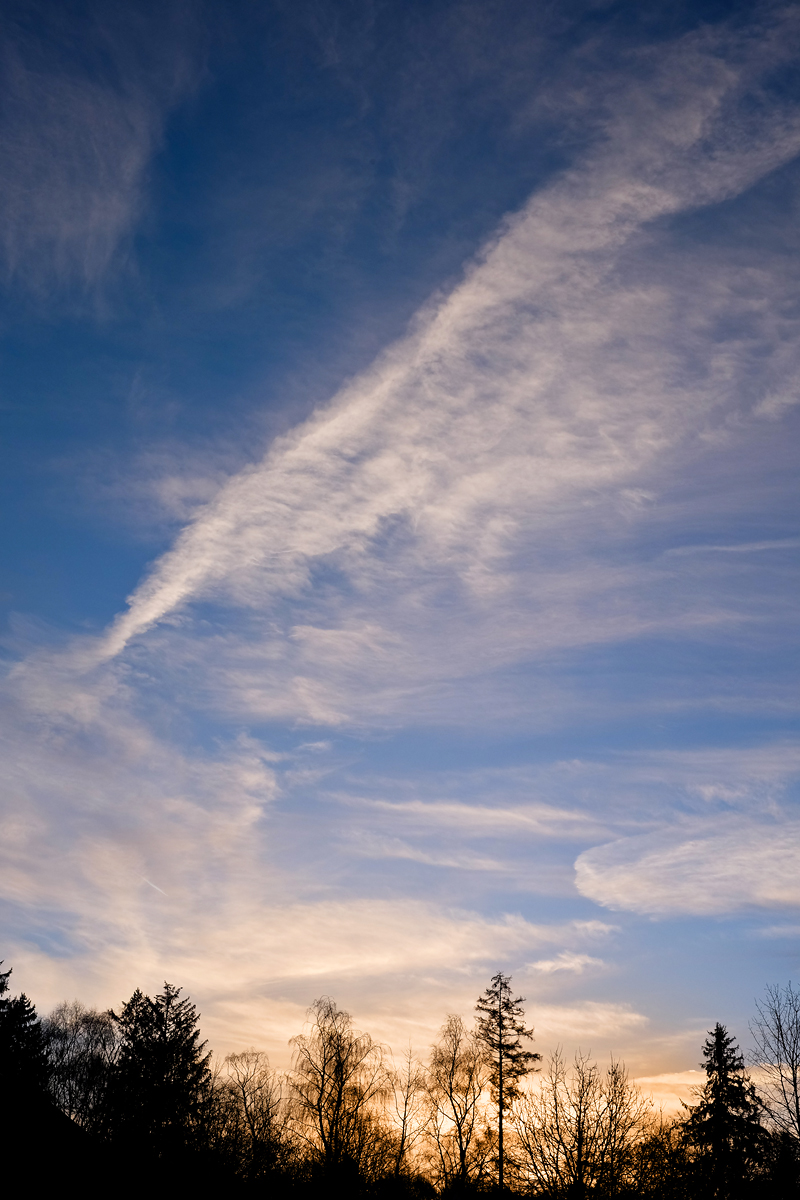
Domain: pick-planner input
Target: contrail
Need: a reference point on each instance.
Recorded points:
(152, 885)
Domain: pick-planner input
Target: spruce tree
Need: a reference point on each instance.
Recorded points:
(161, 1074)
(501, 1029)
(724, 1128)
(23, 1049)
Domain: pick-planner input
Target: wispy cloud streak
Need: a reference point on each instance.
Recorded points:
(542, 394)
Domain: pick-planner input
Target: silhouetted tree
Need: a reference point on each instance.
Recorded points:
(23, 1055)
(458, 1075)
(578, 1133)
(340, 1085)
(81, 1049)
(35, 1135)
(776, 1033)
(724, 1129)
(161, 1076)
(410, 1114)
(501, 1029)
(662, 1167)
(781, 1168)
(257, 1115)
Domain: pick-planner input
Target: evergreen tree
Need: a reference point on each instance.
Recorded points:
(161, 1075)
(725, 1129)
(23, 1055)
(501, 1029)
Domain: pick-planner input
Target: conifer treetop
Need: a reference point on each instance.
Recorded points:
(501, 1028)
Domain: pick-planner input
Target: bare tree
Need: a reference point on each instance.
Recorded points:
(776, 1032)
(627, 1117)
(340, 1086)
(82, 1047)
(579, 1129)
(409, 1110)
(260, 1113)
(458, 1077)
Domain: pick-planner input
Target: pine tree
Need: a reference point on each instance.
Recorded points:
(161, 1074)
(725, 1128)
(501, 1029)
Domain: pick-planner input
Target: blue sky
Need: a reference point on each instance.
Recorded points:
(400, 410)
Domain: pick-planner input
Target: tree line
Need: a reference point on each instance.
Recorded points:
(135, 1090)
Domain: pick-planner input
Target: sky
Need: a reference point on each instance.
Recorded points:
(400, 409)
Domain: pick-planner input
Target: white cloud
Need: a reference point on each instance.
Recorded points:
(258, 961)
(370, 845)
(699, 868)
(574, 964)
(543, 391)
(586, 1024)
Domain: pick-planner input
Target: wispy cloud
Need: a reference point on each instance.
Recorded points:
(727, 839)
(537, 820)
(734, 865)
(443, 516)
(75, 146)
(495, 405)
(568, 961)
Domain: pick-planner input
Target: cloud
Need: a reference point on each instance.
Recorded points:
(543, 383)
(723, 834)
(75, 144)
(740, 547)
(672, 1090)
(373, 846)
(535, 820)
(496, 491)
(575, 964)
(399, 964)
(439, 522)
(574, 1024)
(706, 869)
(98, 806)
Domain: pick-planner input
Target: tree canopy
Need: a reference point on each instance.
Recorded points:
(131, 1094)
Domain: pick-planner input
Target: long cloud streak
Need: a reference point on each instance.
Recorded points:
(530, 389)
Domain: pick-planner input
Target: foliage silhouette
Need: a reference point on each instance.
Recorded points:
(580, 1132)
(255, 1116)
(82, 1047)
(30, 1120)
(136, 1099)
(161, 1076)
(23, 1052)
(724, 1128)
